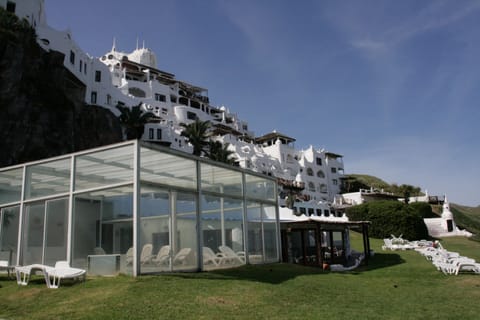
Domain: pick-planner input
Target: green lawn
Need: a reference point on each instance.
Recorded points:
(395, 285)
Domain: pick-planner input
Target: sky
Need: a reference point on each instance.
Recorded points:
(393, 86)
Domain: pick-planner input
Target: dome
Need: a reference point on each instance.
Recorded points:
(144, 56)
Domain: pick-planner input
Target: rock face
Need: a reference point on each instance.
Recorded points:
(42, 109)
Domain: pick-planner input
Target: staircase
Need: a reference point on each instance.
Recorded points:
(434, 226)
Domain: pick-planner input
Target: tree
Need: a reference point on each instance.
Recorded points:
(219, 152)
(133, 120)
(197, 134)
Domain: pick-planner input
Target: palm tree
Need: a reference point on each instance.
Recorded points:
(133, 120)
(219, 152)
(197, 134)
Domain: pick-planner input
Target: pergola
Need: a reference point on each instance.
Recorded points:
(315, 241)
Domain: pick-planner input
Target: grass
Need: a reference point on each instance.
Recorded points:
(395, 285)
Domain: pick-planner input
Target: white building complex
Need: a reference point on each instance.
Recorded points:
(307, 181)
(312, 177)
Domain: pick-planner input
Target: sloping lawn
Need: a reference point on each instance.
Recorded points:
(395, 285)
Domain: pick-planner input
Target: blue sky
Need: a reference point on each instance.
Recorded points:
(394, 86)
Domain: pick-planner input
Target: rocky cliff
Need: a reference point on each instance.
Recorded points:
(42, 113)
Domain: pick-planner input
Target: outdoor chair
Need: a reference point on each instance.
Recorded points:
(183, 256)
(146, 254)
(62, 270)
(163, 256)
(210, 257)
(231, 255)
(129, 256)
(52, 275)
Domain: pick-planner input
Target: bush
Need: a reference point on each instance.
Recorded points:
(393, 217)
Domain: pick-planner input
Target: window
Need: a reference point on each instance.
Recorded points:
(195, 104)
(85, 68)
(150, 133)
(160, 97)
(191, 115)
(173, 99)
(93, 97)
(326, 212)
(323, 188)
(310, 172)
(137, 92)
(303, 211)
(72, 57)
(159, 134)
(11, 6)
(335, 182)
(183, 101)
(319, 161)
(98, 76)
(334, 170)
(109, 99)
(310, 212)
(311, 186)
(320, 174)
(81, 65)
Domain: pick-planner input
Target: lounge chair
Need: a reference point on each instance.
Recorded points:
(23, 273)
(163, 256)
(146, 254)
(129, 256)
(52, 275)
(210, 257)
(231, 255)
(183, 256)
(62, 270)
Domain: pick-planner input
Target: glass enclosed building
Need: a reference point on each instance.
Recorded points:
(137, 208)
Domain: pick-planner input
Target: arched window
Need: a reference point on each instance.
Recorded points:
(310, 172)
(320, 174)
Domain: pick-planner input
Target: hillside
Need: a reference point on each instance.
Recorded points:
(467, 218)
(42, 103)
(355, 182)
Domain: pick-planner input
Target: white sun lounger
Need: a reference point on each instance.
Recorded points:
(61, 271)
(231, 255)
(52, 275)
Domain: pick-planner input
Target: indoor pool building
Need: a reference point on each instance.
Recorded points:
(137, 208)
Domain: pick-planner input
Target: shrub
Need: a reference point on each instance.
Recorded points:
(393, 217)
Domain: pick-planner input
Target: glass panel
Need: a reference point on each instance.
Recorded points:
(11, 185)
(167, 169)
(9, 218)
(33, 236)
(310, 247)
(48, 178)
(212, 216)
(270, 234)
(102, 168)
(103, 228)
(222, 226)
(56, 231)
(221, 180)
(255, 241)
(184, 246)
(155, 229)
(260, 188)
(295, 247)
